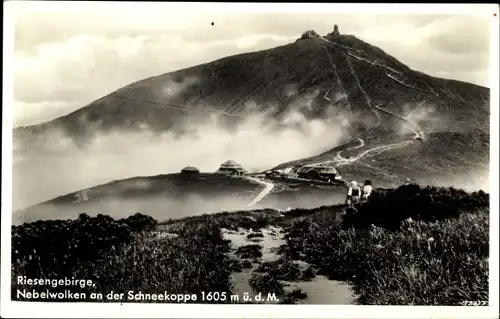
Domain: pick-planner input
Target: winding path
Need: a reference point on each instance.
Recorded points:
(178, 106)
(349, 53)
(267, 189)
(361, 144)
(418, 131)
(355, 77)
(409, 86)
(339, 160)
(373, 63)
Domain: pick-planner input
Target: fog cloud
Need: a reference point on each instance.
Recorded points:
(58, 166)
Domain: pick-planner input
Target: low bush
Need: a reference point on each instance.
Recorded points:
(249, 251)
(388, 207)
(255, 235)
(266, 284)
(430, 250)
(120, 255)
(282, 269)
(293, 296)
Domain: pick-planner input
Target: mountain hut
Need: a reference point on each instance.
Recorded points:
(231, 167)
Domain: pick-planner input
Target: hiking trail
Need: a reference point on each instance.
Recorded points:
(267, 189)
(339, 160)
(417, 130)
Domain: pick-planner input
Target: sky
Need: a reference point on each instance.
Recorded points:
(67, 55)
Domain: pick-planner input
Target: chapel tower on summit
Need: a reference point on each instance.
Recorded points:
(336, 30)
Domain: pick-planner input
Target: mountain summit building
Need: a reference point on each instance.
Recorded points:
(336, 30)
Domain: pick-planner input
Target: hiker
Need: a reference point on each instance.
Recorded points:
(367, 190)
(353, 194)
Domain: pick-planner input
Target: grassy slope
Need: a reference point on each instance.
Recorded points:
(205, 184)
(206, 187)
(406, 246)
(440, 158)
(263, 77)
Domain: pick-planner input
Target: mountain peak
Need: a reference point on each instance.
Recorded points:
(313, 34)
(336, 77)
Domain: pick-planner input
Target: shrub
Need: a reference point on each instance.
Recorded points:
(388, 207)
(255, 235)
(120, 255)
(245, 264)
(430, 250)
(249, 251)
(281, 269)
(293, 296)
(307, 274)
(266, 284)
(63, 246)
(297, 294)
(139, 222)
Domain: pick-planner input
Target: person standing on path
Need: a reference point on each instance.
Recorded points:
(367, 190)
(353, 194)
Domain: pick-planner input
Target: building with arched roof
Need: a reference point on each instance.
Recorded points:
(231, 167)
(190, 170)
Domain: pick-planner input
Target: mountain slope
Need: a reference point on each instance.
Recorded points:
(412, 125)
(163, 196)
(344, 76)
(443, 158)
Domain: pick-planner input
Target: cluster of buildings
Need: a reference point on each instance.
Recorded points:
(323, 173)
(229, 167)
(313, 34)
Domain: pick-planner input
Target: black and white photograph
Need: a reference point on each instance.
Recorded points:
(161, 153)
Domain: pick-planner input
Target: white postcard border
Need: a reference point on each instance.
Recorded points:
(9, 308)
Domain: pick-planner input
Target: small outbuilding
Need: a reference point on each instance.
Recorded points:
(190, 170)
